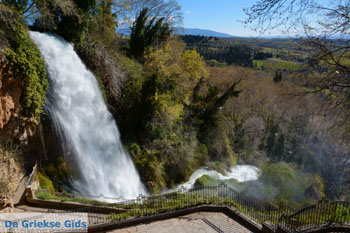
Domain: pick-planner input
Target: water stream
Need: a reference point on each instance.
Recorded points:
(241, 173)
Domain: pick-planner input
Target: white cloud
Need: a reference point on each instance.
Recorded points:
(188, 12)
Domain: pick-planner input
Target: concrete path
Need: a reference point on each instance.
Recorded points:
(201, 222)
(205, 222)
(27, 208)
(17, 198)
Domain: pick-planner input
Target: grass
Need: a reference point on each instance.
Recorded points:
(167, 202)
(331, 213)
(318, 214)
(175, 201)
(45, 195)
(277, 64)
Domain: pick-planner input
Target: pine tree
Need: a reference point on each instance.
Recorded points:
(278, 77)
(271, 141)
(146, 33)
(279, 151)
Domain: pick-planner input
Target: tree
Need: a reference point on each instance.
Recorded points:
(209, 116)
(104, 23)
(278, 77)
(45, 14)
(280, 150)
(146, 33)
(271, 140)
(70, 18)
(20, 5)
(326, 30)
(170, 10)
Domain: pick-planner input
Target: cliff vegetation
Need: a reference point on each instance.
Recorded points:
(187, 102)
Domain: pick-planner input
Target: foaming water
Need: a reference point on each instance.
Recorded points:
(241, 173)
(87, 129)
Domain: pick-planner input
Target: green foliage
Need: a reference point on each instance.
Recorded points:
(19, 5)
(327, 212)
(278, 77)
(277, 64)
(241, 143)
(206, 180)
(193, 65)
(280, 150)
(271, 140)
(170, 202)
(340, 215)
(149, 166)
(102, 88)
(216, 166)
(25, 60)
(162, 105)
(44, 195)
(45, 182)
(73, 29)
(212, 130)
(156, 104)
(322, 213)
(54, 175)
(51, 195)
(213, 49)
(284, 183)
(276, 143)
(147, 32)
(131, 97)
(174, 115)
(104, 24)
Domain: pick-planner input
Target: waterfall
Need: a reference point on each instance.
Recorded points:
(91, 136)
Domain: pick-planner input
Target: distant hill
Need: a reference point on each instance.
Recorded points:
(200, 32)
(185, 31)
(124, 31)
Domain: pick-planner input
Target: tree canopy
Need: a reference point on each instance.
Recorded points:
(128, 10)
(326, 32)
(147, 32)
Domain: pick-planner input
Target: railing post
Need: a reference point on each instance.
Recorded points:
(222, 187)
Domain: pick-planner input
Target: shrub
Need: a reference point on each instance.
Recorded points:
(25, 60)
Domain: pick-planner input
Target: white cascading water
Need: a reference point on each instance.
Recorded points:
(241, 173)
(75, 104)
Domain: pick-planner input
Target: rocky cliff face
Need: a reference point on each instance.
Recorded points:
(13, 126)
(11, 174)
(10, 92)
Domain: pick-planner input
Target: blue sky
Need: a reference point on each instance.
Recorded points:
(224, 15)
(217, 15)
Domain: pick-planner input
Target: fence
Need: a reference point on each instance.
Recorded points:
(221, 195)
(32, 174)
(324, 214)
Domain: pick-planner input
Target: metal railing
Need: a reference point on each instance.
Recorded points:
(32, 174)
(221, 195)
(324, 214)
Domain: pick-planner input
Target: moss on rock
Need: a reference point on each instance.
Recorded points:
(45, 182)
(206, 180)
(25, 59)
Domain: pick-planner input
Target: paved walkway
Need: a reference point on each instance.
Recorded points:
(20, 191)
(201, 222)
